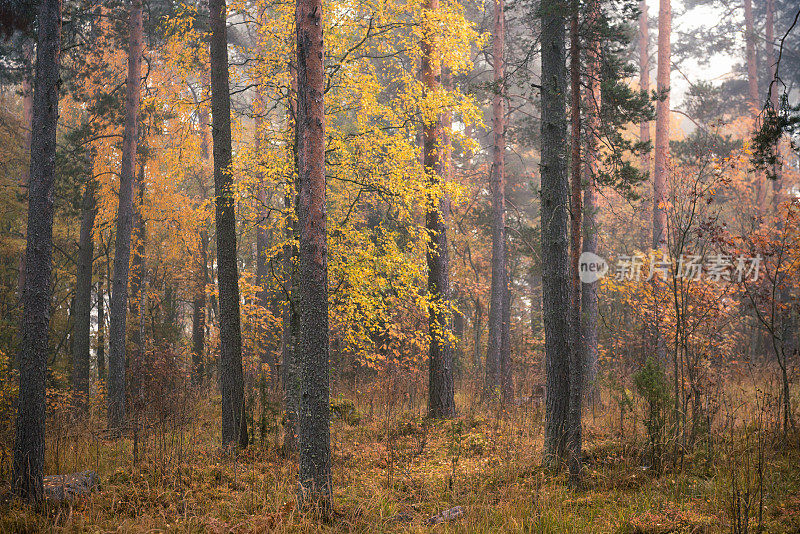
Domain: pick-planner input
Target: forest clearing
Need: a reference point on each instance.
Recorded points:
(400, 266)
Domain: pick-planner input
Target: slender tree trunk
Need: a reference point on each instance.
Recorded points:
(28, 467)
(477, 325)
(200, 301)
(752, 88)
(81, 328)
(136, 366)
(576, 363)
(314, 421)
(440, 370)
(644, 127)
(234, 426)
(122, 246)
(506, 367)
(773, 90)
(497, 184)
(101, 325)
(199, 312)
(662, 125)
(555, 247)
(589, 304)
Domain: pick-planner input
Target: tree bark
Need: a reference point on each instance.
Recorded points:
(773, 90)
(576, 362)
(313, 349)
(555, 247)
(497, 184)
(27, 114)
(644, 127)
(122, 245)
(29, 444)
(137, 293)
(101, 326)
(83, 297)
(231, 375)
(440, 370)
(506, 368)
(200, 300)
(662, 125)
(589, 304)
(752, 88)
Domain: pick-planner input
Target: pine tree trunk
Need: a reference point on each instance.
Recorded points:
(506, 368)
(28, 467)
(589, 304)
(122, 245)
(81, 343)
(136, 366)
(27, 114)
(497, 185)
(773, 88)
(289, 319)
(101, 325)
(313, 343)
(576, 362)
(555, 247)
(231, 375)
(200, 301)
(199, 312)
(440, 370)
(662, 125)
(644, 127)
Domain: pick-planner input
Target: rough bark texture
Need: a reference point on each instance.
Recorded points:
(555, 247)
(314, 420)
(506, 369)
(589, 304)
(231, 376)
(576, 211)
(497, 185)
(28, 467)
(27, 111)
(440, 365)
(81, 343)
(122, 245)
(136, 365)
(101, 325)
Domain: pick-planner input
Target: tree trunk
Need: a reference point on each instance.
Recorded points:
(122, 245)
(101, 326)
(200, 301)
(83, 297)
(136, 366)
(661, 156)
(644, 85)
(314, 421)
(506, 368)
(662, 125)
(231, 375)
(555, 248)
(289, 318)
(576, 361)
(28, 467)
(752, 88)
(497, 184)
(440, 370)
(27, 113)
(773, 88)
(477, 326)
(199, 313)
(589, 304)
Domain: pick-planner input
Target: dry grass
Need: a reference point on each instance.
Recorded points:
(393, 472)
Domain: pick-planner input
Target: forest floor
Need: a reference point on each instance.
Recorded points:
(391, 474)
